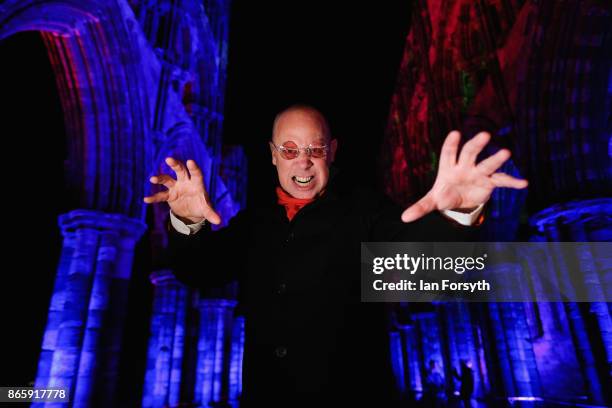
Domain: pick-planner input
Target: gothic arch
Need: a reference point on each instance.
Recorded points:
(100, 82)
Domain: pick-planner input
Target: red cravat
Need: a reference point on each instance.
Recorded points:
(292, 205)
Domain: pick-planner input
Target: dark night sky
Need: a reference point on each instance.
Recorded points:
(342, 60)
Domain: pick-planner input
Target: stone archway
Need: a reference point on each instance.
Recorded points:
(100, 82)
(123, 114)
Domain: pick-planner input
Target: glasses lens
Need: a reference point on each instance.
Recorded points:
(290, 150)
(290, 153)
(318, 152)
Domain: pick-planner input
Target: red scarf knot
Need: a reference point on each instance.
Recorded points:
(292, 205)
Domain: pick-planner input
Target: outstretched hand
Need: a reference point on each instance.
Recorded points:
(186, 194)
(461, 183)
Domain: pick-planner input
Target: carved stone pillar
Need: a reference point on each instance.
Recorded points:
(81, 344)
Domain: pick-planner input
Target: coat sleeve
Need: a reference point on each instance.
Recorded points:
(385, 225)
(209, 258)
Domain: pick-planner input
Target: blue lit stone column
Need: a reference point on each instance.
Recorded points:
(214, 351)
(54, 319)
(397, 360)
(429, 335)
(163, 376)
(582, 221)
(594, 273)
(549, 329)
(460, 343)
(237, 354)
(411, 364)
(87, 311)
(516, 359)
(579, 333)
(99, 362)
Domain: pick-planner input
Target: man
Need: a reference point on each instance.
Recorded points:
(466, 378)
(309, 339)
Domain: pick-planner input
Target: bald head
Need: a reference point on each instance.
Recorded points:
(301, 127)
(302, 113)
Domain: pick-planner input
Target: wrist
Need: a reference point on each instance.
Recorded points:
(190, 220)
(465, 210)
(466, 216)
(194, 220)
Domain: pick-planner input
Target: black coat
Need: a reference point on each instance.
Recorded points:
(309, 340)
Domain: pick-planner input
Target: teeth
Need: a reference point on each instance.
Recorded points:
(303, 180)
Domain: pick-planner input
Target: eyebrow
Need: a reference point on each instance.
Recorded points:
(318, 141)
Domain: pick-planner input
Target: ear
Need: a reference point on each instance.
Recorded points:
(273, 153)
(333, 146)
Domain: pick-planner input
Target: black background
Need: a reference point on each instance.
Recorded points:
(342, 60)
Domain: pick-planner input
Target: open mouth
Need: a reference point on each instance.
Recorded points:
(302, 181)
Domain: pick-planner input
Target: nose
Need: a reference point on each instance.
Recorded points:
(303, 160)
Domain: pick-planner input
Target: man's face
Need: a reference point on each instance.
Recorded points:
(305, 176)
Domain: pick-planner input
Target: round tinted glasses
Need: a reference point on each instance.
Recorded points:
(290, 150)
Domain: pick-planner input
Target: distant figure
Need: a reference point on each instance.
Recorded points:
(433, 390)
(466, 377)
